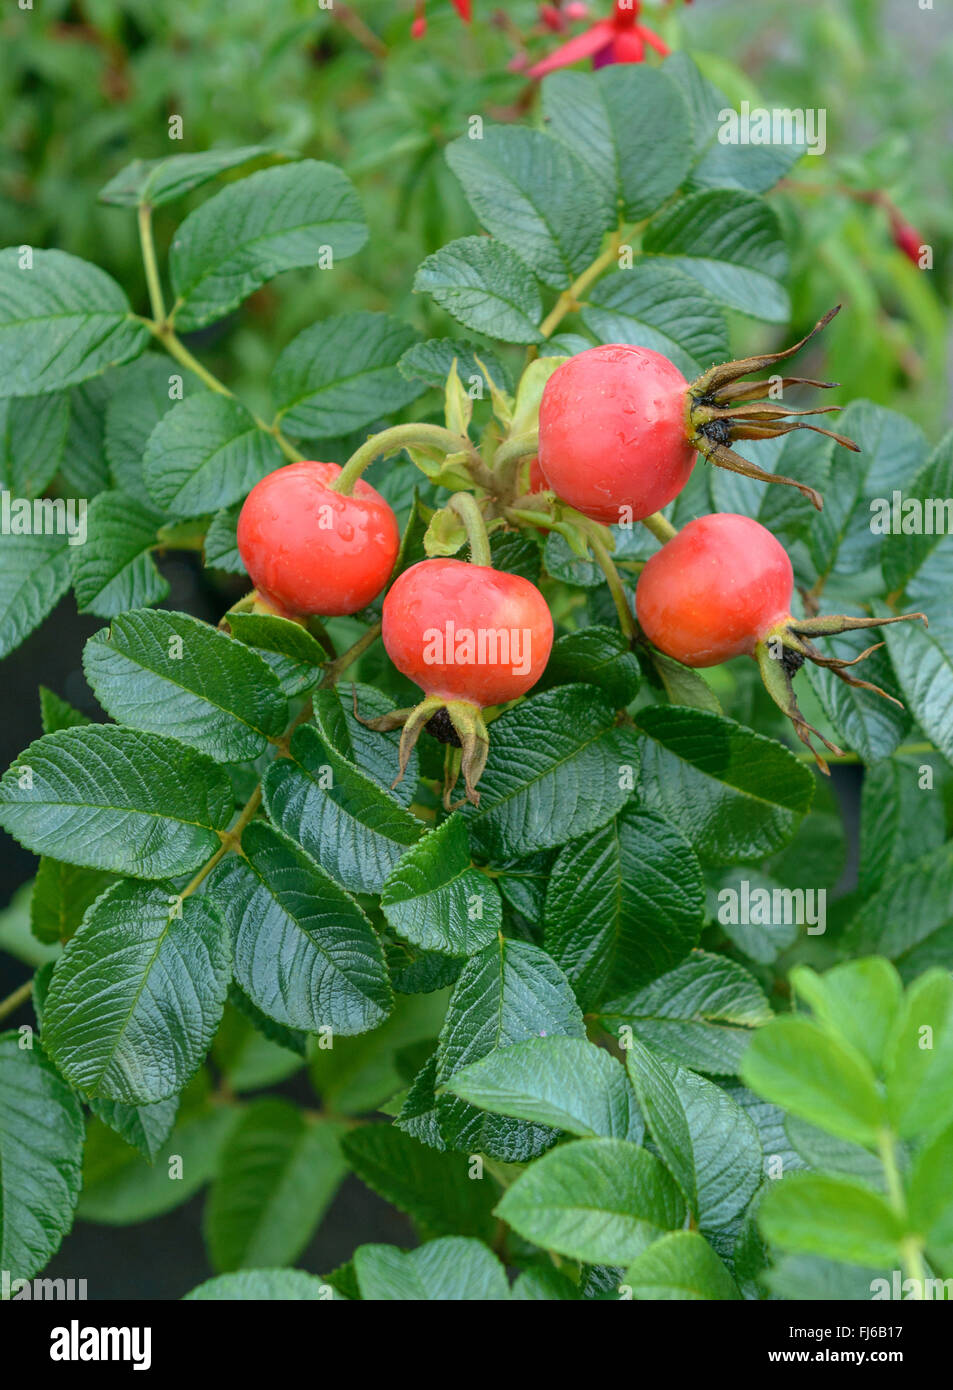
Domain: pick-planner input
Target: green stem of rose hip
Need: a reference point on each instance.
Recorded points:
(390, 442)
(469, 513)
(521, 446)
(569, 299)
(14, 1000)
(150, 264)
(616, 588)
(661, 529)
(911, 1255)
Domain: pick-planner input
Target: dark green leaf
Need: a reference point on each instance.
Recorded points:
(138, 993)
(116, 799)
(305, 954)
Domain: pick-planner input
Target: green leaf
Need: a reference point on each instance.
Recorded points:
(910, 914)
(41, 1153)
(827, 1154)
(430, 362)
(56, 713)
(923, 661)
(863, 721)
(341, 374)
(144, 1127)
(138, 993)
(434, 898)
(286, 647)
(930, 1199)
(708, 1143)
(358, 1074)
(731, 243)
(912, 558)
(837, 1217)
(857, 1001)
(565, 1083)
(83, 465)
(354, 830)
(61, 895)
(305, 954)
(253, 1050)
(601, 657)
(918, 1061)
(278, 1176)
(680, 1266)
(755, 168)
(655, 306)
(897, 822)
(623, 905)
(34, 576)
(795, 1063)
(375, 754)
(559, 767)
(485, 286)
(631, 128)
(111, 798)
(62, 320)
(453, 1269)
(206, 453)
(599, 1200)
(171, 674)
(145, 392)
(121, 1188)
(438, 1190)
(32, 441)
(158, 181)
(280, 635)
(535, 196)
(735, 794)
(784, 510)
(701, 1014)
(263, 1285)
(221, 542)
(275, 220)
(511, 991)
(543, 1285)
(842, 537)
(114, 571)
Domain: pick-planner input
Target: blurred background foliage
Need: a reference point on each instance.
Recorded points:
(87, 86)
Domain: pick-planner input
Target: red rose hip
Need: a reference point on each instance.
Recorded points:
(713, 590)
(612, 432)
(467, 632)
(311, 550)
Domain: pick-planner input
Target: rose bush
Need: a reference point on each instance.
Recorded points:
(592, 1026)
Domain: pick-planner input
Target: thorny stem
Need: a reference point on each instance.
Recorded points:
(466, 508)
(661, 529)
(14, 1000)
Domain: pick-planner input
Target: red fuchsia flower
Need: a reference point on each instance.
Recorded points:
(621, 39)
(464, 9)
(906, 238)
